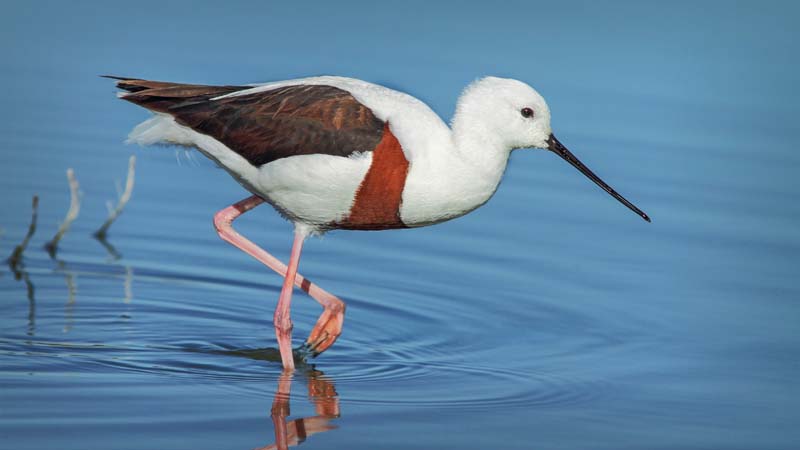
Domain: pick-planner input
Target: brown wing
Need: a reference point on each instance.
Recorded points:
(265, 126)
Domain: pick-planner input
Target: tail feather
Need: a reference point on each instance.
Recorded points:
(136, 84)
(161, 96)
(164, 99)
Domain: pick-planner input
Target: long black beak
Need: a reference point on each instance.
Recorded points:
(559, 149)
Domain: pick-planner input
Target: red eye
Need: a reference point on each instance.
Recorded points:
(526, 112)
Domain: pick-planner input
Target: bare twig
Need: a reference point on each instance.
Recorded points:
(72, 214)
(15, 263)
(112, 251)
(123, 200)
(16, 255)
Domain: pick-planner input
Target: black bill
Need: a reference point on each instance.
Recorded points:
(559, 149)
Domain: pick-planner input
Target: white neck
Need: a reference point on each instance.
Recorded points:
(483, 159)
(461, 168)
(480, 149)
(455, 180)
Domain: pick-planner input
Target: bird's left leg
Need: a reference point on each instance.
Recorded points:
(329, 326)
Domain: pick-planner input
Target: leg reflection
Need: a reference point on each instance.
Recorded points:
(322, 394)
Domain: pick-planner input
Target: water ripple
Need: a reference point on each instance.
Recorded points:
(422, 343)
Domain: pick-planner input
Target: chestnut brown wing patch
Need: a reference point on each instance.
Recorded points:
(265, 126)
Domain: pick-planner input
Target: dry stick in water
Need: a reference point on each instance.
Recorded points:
(72, 214)
(123, 200)
(16, 255)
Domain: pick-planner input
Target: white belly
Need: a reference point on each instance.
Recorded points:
(317, 190)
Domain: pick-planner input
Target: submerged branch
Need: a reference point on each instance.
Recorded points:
(72, 214)
(123, 200)
(16, 255)
(112, 251)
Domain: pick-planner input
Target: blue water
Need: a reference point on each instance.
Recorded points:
(552, 317)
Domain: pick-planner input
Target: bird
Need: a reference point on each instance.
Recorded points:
(339, 153)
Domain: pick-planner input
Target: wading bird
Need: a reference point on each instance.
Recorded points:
(339, 153)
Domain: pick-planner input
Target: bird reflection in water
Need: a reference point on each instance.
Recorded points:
(321, 392)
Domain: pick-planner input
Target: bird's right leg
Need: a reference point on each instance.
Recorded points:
(329, 326)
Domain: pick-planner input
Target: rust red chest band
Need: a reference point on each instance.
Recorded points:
(378, 198)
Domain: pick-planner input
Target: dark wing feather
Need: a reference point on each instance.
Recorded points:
(269, 125)
(160, 96)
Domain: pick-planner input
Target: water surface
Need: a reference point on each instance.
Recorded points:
(550, 318)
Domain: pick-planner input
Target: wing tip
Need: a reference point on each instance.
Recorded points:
(130, 85)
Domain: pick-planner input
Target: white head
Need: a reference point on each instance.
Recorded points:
(505, 112)
(497, 115)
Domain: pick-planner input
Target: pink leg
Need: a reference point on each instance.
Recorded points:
(282, 319)
(329, 326)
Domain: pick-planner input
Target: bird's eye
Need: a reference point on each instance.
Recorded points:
(526, 112)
